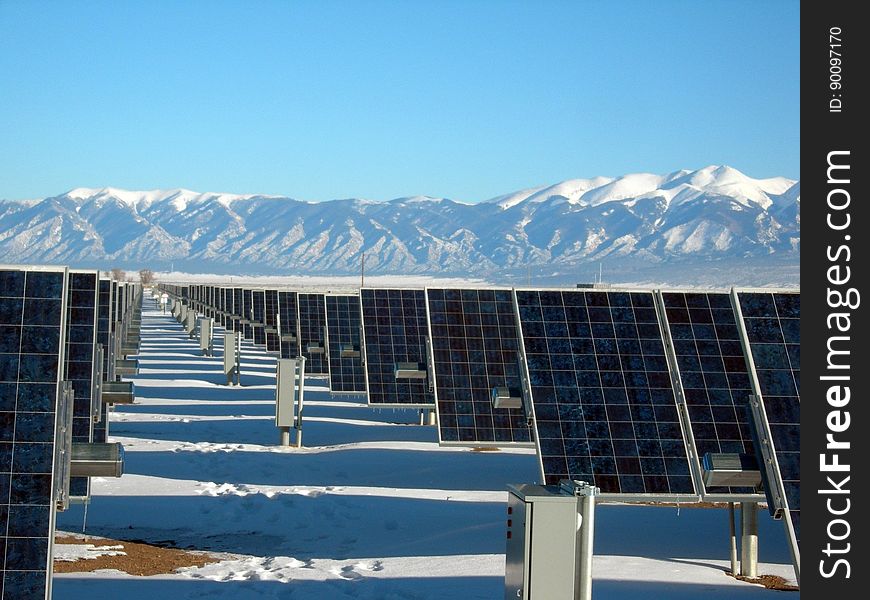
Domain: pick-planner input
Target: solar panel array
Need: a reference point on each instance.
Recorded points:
(772, 324)
(79, 367)
(312, 333)
(712, 373)
(622, 387)
(32, 304)
(475, 349)
(605, 410)
(344, 323)
(394, 331)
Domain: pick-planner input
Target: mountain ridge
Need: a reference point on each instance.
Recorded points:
(712, 214)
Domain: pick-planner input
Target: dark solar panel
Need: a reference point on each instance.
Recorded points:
(345, 348)
(31, 344)
(258, 316)
(713, 374)
(605, 411)
(288, 327)
(79, 365)
(236, 309)
(312, 333)
(474, 350)
(772, 322)
(273, 341)
(394, 333)
(246, 314)
(104, 337)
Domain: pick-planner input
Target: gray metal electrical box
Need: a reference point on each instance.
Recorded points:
(232, 357)
(285, 392)
(542, 543)
(206, 343)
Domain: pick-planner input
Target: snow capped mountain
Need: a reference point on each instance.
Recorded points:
(712, 214)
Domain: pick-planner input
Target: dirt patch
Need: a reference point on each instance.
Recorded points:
(486, 449)
(771, 582)
(138, 559)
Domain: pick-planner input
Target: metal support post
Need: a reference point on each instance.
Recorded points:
(432, 417)
(749, 539)
(232, 357)
(300, 395)
(735, 567)
(587, 495)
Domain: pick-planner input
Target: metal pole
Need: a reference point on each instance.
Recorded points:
(587, 534)
(432, 418)
(300, 399)
(735, 568)
(749, 539)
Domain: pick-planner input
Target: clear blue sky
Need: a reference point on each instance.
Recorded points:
(321, 100)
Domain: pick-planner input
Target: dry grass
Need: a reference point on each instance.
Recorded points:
(139, 559)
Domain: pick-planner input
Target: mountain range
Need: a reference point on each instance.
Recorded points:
(711, 216)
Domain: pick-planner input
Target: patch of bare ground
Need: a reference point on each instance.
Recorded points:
(138, 559)
(771, 582)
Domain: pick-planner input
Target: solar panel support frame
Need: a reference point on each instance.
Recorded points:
(695, 458)
(768, 464)
(640, 497)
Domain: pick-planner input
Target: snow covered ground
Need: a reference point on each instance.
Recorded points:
(371, 508)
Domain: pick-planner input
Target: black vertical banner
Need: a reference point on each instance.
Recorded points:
(835, 362)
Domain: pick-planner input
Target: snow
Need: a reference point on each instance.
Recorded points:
(371, 508)
(74, 552)
(178, 197)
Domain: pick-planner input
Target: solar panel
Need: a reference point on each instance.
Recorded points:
(32, 310)
(236, 310)
(604, 408)
(288, 324)
(394, 342)
(712, 375)
(270, 300)
(343, 319)
(81, 335)
(258, 316)
(312, 333)
(104, 337)
(246, 314)
(475, 350)
(772, 325)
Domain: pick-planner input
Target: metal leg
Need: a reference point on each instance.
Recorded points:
(735, 567)
(749, 539)
(587, 533)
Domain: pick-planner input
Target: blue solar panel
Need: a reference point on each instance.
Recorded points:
(270, 301)
(772, 323)
(258, 316)
(104, 337)
(79, 367)
(312, 333)
(394, 332)
(712, 373)
(344, 321)
(475, 349)
(604, 408)
(288, 326)
(32, 310)
(236, 309)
